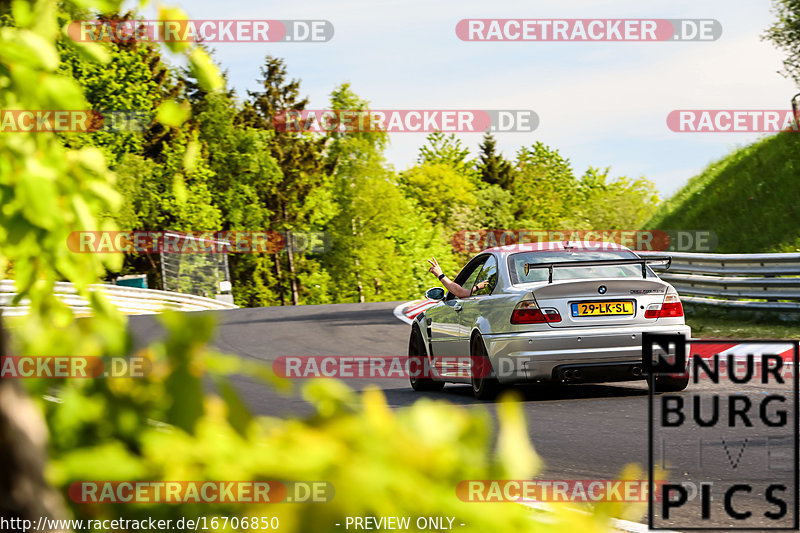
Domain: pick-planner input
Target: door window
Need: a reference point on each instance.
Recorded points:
(487, 279)
(466, 278)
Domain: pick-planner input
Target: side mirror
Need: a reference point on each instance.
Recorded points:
(436, 293)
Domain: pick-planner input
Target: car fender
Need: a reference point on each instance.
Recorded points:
(421, 323)
(481, 326)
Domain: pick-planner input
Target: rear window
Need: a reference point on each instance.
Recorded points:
(516, 265)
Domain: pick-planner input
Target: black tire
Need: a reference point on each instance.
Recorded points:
(671, 383)
(484, 385)
(417, 359)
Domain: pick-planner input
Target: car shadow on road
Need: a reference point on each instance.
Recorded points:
(462, 394)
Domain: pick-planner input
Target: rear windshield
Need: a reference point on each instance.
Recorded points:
(516, 265)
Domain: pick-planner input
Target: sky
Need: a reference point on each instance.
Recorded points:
(601, 104)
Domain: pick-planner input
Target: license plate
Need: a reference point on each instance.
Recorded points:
(602, 308)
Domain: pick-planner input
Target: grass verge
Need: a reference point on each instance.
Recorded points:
(709, 327)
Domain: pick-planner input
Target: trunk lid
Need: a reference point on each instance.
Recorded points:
(600, 302)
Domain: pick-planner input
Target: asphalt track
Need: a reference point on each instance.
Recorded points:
(581, 431)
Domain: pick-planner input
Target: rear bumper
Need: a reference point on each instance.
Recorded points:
(543, 355)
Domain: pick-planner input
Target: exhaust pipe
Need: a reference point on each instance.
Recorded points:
(577, 373)
(568, 374)
(636, 371)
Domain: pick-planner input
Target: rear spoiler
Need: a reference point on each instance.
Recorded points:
(664, 259)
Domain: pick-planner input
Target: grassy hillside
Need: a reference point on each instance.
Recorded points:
(750, 199)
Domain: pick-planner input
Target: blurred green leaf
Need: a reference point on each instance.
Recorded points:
(38, 194)
(174, 16)
(22, 12)
(205, 70)
(90, 51)
(60, 92)
(110, 461)
(514, 450)
(186, 391)
(329, 396)
(190, 156)
(179, 189)
(173, 114)
(37, 51)
(239, 415)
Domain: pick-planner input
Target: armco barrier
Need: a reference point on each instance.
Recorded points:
(128, 300)
(758, 282)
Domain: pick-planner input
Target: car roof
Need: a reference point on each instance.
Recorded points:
(589, 246)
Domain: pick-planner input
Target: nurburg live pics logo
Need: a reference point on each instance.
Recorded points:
(733, 432)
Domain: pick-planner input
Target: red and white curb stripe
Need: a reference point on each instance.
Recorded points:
(740, 350)
(409, 310)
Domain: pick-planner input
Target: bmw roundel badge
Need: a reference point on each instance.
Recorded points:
(602, 289)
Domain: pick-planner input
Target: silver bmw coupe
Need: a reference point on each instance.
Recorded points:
(546, 312)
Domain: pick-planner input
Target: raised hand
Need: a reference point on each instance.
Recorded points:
(435, 269)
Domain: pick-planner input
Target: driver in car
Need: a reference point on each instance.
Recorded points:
(450, 285)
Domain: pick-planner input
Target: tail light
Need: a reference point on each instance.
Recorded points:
(527, 312)
(670, 308)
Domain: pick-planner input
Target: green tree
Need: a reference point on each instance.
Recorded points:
(244, 177)
(492, 167)
(493, 210)
(785, 34)
(299, 156)
(447, 150)
(543, 188)
(159, 191)
(133, 82)
(620, 203)
(380, 239)
(439, 191)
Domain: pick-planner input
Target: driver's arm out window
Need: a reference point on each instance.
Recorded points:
(488, 274)
(466, 278)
